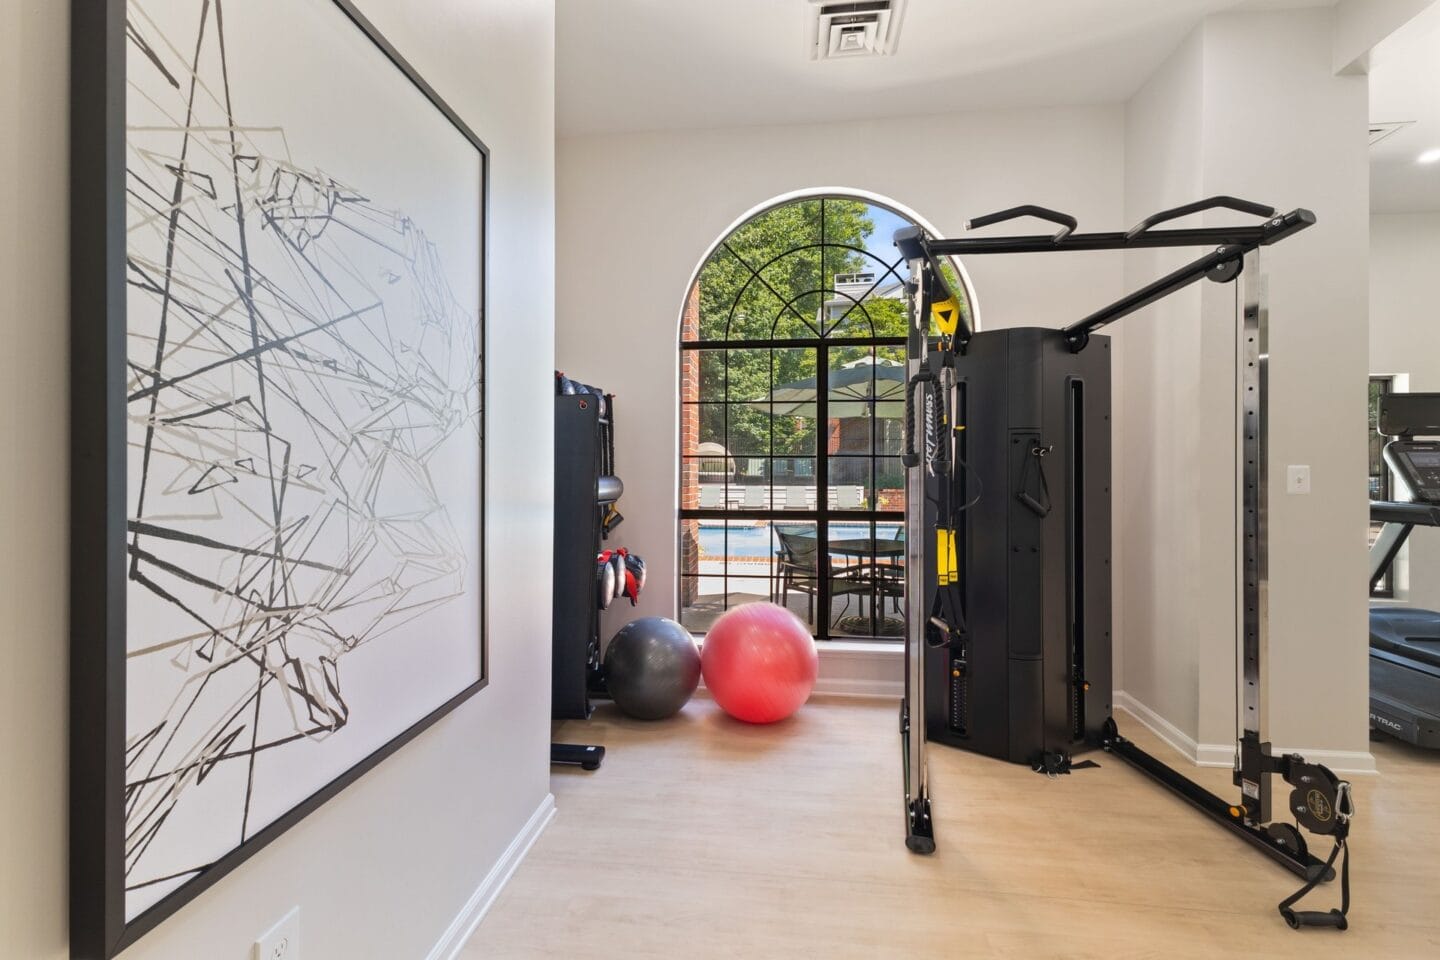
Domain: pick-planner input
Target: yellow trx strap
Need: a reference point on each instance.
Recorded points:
(946, 315)
(946, 565)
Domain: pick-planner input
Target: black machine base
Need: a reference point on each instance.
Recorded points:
(580, 755)
(919, 831)
(1281, 842)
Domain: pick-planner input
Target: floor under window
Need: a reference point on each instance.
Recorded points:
(706, 838)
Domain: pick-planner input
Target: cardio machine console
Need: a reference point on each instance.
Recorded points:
(1406, 416)
(1418, 463)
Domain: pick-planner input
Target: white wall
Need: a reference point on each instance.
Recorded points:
(637, 212)
(1158, 528)
(1405, 339)
(1275, 125)
(381, 870)
(1358, 25)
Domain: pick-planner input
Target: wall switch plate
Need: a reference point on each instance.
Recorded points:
(1297, 478)
(282, 941)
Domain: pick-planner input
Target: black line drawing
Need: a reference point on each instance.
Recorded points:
(301, 376)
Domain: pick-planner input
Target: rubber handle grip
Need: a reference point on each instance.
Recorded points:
(1209, 203)
(1064, 221)
(910, 458)
(1314, 918)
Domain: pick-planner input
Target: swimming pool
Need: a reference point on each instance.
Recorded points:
(750, 540)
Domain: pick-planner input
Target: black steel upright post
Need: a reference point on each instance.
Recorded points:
(919, 829)
(1253, 763)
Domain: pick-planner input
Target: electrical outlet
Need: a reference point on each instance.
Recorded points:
(282, 941)
(1297, 478)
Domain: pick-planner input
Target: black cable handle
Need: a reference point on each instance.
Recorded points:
(910, 458)
(1040, 507)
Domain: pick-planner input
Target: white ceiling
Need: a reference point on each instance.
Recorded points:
(628, 65)
(1405, 85)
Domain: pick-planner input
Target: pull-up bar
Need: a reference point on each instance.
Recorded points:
(1221, 264)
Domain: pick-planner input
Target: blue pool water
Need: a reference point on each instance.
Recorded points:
(753, 541)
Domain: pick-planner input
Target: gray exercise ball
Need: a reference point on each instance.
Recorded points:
(652, 668)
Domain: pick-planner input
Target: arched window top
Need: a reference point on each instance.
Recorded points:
(792, 403)
(820, 267)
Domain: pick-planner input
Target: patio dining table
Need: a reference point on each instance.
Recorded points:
(888, 578)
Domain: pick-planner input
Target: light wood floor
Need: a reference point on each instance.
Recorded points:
(706, 838)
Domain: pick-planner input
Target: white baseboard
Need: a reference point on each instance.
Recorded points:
(1200, 754)
(865, 670)
(858, 688)
(1223, 754)
(464, 924)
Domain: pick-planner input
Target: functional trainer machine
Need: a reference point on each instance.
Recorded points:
(1405, 641)
(586, 489)
(1008, 527)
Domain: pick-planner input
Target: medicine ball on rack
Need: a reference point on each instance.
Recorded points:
(617, 560)
(605, 582)
(634, 577)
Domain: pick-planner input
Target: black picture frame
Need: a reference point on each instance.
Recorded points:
(98, 541)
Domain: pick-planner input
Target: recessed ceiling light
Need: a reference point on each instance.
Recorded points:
(1429, 156)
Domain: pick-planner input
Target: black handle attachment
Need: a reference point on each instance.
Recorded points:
(1066, 222)
(1323, 804)
(1209, 203)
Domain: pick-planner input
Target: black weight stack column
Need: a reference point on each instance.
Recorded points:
(1034, 676)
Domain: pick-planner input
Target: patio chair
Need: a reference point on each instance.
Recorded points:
(754, 498)
(780, 498)
(712, 497)
(799, 570)
(849, 497)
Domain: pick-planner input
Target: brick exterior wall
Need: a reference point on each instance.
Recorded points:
(689, 440)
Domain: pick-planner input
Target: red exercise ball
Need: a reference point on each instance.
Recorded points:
(759, 662)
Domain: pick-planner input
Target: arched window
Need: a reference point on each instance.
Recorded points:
(792, 404)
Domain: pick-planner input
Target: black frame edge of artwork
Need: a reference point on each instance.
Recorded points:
(97, 553)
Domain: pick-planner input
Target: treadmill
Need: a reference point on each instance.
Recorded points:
(1404, 640)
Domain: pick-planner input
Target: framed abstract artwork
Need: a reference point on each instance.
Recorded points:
(277, 534)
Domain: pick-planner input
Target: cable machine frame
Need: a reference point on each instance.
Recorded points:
(1234, 254)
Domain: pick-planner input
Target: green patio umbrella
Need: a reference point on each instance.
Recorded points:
(855, 388)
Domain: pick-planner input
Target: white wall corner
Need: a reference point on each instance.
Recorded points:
(1347, 762)
(453, 940)
(1200, 754)
(1358, 25)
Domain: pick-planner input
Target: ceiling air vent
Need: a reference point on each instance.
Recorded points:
(837, 31)
(1379, 131)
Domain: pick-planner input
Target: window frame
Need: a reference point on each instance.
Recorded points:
(825, 341)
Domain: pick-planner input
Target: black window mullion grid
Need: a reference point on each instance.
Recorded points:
(822, 515)
(770, 480)
(822, 478)
(725, 497)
